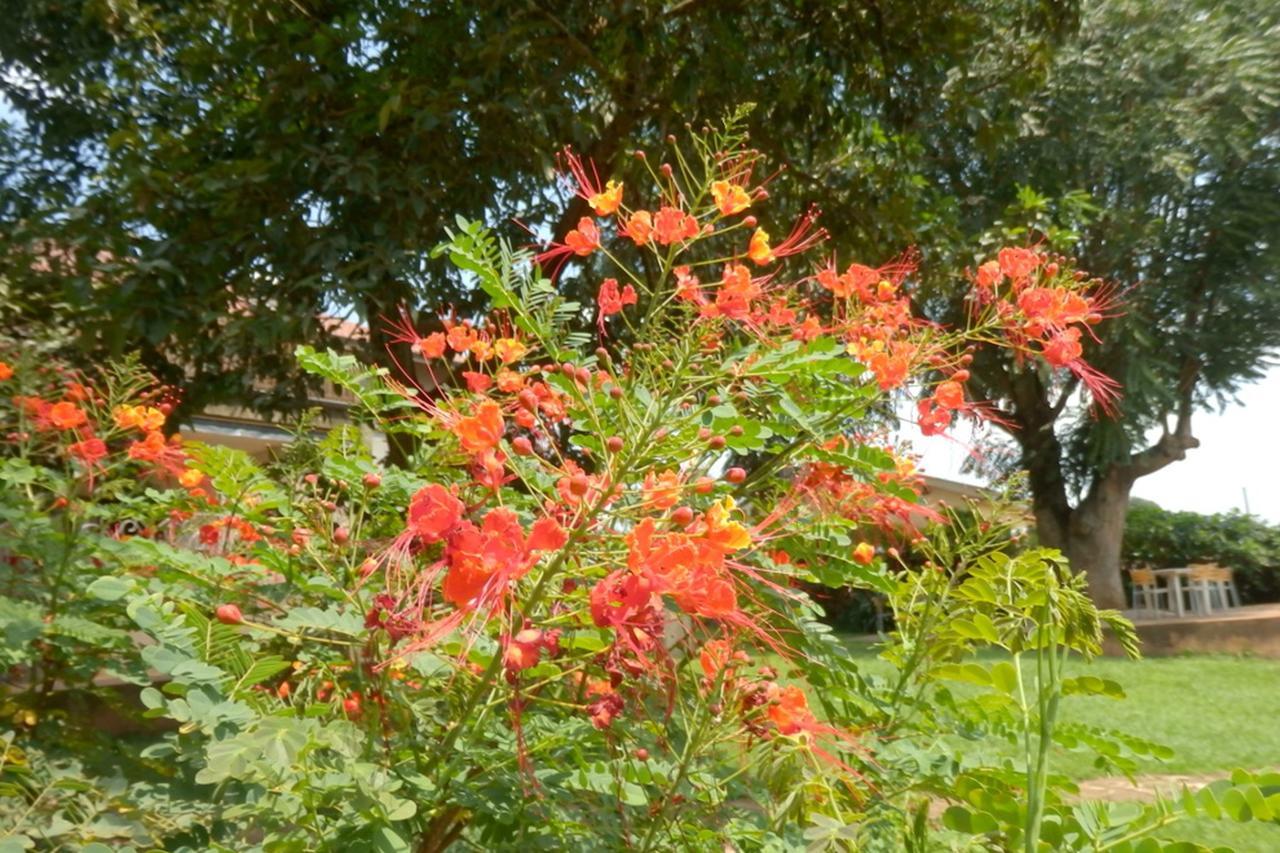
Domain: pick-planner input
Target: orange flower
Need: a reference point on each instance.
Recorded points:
(461, 337)
(759, 250)
(736, 293)
(688, 288)
(523, 650)
(546, 534)
(639, 227)
(789, 710)
(716, 657)
(950, 394)
(673, 225)
(1052, 307)
(839, 285)
(509, 382)
(509, 350)
(584, 239)
(190, 478)
(989, 275)
(890, 366)
(718, 529)
(801, 239)
(66, 415)
(150, 449)
(864, 553)
(144, 418)
(1063, 348)
(477, 383)
(6, 372)
(662, 491)
(608, 200)
(481, 431)
(807, 330)
(432, 346)
(730, 198)
(1018, 263)
(604, 201)
(433, 512)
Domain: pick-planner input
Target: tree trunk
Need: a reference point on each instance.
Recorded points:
(1095, 536)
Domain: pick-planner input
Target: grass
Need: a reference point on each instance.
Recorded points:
(1216, 712)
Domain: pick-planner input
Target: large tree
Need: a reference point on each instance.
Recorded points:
(1168, 121)
(206, 179)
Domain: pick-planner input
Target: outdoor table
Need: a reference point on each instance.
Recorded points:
(1173, 579)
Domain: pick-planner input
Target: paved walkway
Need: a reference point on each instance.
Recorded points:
(1116, 789)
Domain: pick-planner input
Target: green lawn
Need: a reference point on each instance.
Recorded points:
(1216, 712)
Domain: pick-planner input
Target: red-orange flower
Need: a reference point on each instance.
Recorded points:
(547, 534)
(432, 346)
(433, 512)
(477, 383)
(6, 372)
(688, 288)
(1018, 263)
(934, 419)
(611, 300)
(603, 200)
(1063, 348)
(481, 431)
(736, 293)
(89, 451)
(673, 225)
(949, 394)
(460, 336)
(482, 560)
(150, 449)
(800, 239)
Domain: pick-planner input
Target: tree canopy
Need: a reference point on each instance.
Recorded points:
(201, 182)
(1152, 150)
(217, 175)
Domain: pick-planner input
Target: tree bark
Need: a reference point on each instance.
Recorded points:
(1091, 533)
(1095, 536)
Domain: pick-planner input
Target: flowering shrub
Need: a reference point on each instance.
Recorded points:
(575, 620)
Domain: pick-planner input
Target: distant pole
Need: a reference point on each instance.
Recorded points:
(1245, 491)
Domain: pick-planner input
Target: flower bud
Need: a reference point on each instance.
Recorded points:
(229, 614)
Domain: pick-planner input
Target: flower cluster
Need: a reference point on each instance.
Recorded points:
(607, 494)
(1045, 309)
(62, 412)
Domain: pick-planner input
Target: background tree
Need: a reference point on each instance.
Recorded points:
(1248, 545)
(200, 182)
(1169, 125)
